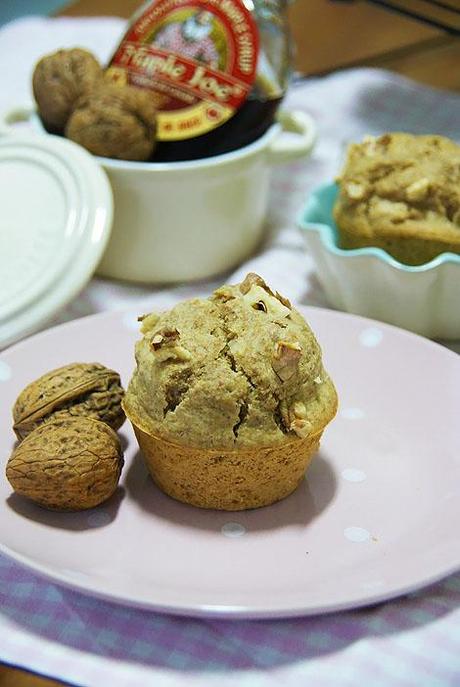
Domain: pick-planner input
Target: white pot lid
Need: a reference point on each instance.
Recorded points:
(56, 212)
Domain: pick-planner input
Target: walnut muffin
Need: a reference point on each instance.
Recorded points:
(229, 398)
(401, 192)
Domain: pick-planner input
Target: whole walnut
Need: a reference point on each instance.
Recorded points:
(68, 464)
(115, 121)
(59, 79)
(78, 389)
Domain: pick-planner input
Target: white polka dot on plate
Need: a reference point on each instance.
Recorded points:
(98, 519)
(233, 529)
(5, 371)
(371, 337)
(353, 475)
(352, 413)
(130, 321)
(356, 534)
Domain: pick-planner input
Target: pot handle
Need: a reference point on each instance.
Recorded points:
(14, 115)
(287, 148)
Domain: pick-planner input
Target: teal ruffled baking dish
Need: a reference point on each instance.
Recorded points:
(369, 282)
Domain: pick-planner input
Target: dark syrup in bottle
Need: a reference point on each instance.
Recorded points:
(250, 122)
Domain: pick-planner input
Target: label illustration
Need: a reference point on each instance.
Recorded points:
(198, 58)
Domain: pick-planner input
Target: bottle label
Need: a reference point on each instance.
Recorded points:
(198, 57)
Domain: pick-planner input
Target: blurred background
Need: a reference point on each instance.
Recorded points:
(331, 34)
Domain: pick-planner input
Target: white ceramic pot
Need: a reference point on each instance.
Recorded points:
(182, 221)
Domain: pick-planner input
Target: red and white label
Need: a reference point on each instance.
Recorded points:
(198, 57)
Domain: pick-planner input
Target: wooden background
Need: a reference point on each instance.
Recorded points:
(328, 36)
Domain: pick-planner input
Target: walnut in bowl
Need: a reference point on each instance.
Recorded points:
(114, 121)
(59, 79)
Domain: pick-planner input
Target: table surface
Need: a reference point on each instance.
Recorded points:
(328, 36)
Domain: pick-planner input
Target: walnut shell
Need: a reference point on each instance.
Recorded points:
(78, 389)
(67, 464)
(115, 121)
(59, 79)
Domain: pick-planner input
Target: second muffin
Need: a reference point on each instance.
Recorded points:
(229, 398)
(401, 192)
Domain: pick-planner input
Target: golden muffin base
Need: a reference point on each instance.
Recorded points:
(229, 480)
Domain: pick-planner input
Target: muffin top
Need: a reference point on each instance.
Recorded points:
(402, 179)
(239, 369)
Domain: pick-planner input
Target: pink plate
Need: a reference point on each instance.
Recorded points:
(376, 517)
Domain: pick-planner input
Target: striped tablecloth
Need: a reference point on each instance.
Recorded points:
(411, 641)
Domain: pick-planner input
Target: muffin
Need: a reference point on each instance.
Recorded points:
(401, 192)
(229, 398)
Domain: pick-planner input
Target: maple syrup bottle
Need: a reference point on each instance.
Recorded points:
(217, 69)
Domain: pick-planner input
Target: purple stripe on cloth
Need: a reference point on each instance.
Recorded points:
(109, 630)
